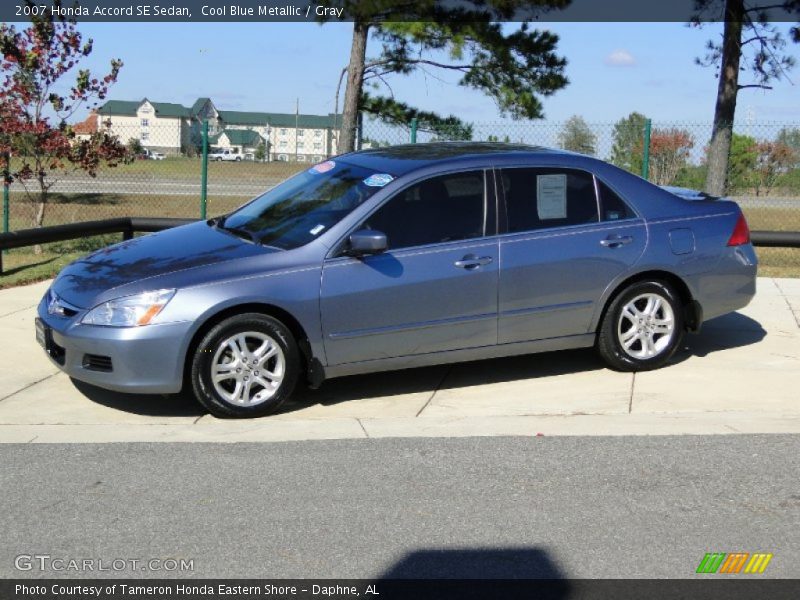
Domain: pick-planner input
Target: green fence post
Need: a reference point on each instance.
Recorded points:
(414, 124)
(646, 158)
(204, 173)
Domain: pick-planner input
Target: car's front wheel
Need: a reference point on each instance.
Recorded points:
(642, 327)
(245, 366)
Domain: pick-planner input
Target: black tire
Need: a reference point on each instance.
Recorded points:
(615, 327)
(211, 353)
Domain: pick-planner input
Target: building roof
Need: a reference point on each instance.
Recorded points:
(128, 108)
(239, 137)
(198, 105)
(234, 117)
(88, 126)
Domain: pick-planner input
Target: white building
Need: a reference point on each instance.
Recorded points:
(175, 129)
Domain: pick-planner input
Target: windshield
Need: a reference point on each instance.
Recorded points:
(303, 207)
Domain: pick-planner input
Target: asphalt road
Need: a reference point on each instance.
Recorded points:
(474, 507)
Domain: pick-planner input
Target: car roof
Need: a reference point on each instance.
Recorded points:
(399, 160)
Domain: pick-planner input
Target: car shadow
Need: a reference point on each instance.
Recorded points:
(149, 405)
(726, 332)
(729, 331)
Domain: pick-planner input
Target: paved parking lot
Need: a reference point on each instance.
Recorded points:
(741, 374)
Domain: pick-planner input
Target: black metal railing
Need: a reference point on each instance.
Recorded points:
(127, 226)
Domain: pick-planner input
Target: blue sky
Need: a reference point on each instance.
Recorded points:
(614, 68)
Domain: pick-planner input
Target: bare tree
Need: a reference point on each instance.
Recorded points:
(749, 43)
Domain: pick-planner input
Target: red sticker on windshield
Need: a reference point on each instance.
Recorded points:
(323, 167)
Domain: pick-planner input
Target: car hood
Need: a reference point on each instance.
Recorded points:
(118, 268)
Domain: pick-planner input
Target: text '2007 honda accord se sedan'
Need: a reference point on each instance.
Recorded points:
(400, 257)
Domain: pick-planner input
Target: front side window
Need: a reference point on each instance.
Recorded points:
(304, 206)
(540, 198)
(441, 209)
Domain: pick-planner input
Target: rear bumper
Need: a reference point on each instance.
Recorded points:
(144, 360)
(731, 285)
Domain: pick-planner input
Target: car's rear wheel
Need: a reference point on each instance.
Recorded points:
(642, 327)
(245, 366)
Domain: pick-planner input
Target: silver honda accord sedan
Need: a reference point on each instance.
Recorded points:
(395, 258)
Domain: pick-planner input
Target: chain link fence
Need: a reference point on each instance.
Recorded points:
(165, 175)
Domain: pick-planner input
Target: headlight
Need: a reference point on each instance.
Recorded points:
(130, 311)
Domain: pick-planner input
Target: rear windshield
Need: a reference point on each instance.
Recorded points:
(306, 205)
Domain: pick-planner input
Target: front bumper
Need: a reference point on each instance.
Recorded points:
(146, 359)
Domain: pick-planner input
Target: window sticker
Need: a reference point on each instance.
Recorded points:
(378, 179)
(323, 167)
(551, 196)
(317, 229)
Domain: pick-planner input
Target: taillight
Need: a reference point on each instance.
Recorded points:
(741, 232)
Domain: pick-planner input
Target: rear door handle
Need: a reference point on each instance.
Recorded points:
(615, 241)
(470, 261)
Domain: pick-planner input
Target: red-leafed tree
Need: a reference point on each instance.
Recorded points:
(774, 159)
(669, 151)
(37, 98)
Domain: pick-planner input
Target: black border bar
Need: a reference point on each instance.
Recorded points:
(709, 587)
(193, 11)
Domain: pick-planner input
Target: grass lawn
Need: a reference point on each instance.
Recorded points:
(773, 219)
(23, 268)
(189, 168)
(73, 208)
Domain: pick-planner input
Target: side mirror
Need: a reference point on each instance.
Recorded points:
(366, 242)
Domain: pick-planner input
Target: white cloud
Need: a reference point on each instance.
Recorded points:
(620, 58)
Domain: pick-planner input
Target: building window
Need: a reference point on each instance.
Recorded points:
(301, 132)
(145, 122)
(283, 158)
(283, 131)
(300, 145)
(145, 111)
(317, 145)
(301, 158)
(317, 159)
(318, 133)
(283, 144)
(145, 136)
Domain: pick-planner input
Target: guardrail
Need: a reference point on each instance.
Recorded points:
(128, 225)
(776, 239)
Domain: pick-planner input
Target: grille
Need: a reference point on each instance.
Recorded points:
(95, 362)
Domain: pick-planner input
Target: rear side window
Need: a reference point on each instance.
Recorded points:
(540, 198)
(441, 209)
(613, 208)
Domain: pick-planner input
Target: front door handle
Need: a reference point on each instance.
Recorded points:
(470, 261)
(615, 241)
